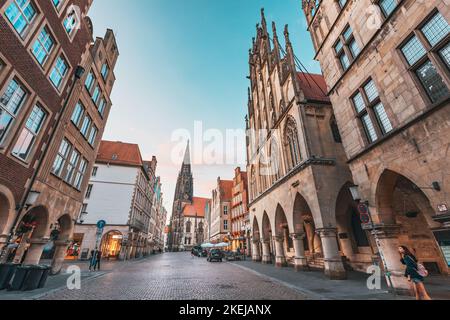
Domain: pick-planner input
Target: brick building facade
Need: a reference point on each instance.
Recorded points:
(240, 219)
(52, 119)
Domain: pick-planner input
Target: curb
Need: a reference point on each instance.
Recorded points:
(309, 295)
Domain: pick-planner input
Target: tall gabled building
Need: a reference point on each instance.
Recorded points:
(298, 176)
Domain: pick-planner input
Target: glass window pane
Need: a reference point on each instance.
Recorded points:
(338, 47)
(383, 118)
(432, 82)
(413, 50)
(347, 33)
(345, 62)
(23, 144)
(445, 54)
(436, 29)
(354, 48)
(359, 102)
(371, 91)
(5, 121)
(388, 6)
(370, 129)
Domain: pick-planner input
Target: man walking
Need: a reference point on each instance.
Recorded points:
(92, 260)
(98, 259)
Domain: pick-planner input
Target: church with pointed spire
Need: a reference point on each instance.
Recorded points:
(188, 212)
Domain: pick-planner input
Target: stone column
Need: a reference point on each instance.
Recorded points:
(334, 267)
(301, 264)
(266, 259)
(34, 253)
(60, 254)
(280, 258)
(256, 255)
(386, 238)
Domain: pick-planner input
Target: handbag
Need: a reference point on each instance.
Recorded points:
(421, 270)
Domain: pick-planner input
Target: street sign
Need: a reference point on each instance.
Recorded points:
(101, 224)
(363, 213)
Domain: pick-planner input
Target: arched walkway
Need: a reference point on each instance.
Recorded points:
(256, 241)
(283, 244)
(353, 240)
(406, 218)
(29, 235)
(61, 236)
(266, 242)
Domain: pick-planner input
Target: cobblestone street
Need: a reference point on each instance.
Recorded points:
(178, 276)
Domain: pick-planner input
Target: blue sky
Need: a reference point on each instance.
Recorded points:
(183, 61)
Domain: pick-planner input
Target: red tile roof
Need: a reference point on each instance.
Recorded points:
(226, 188)
(115, 152)
(197, 208)
(313, 86)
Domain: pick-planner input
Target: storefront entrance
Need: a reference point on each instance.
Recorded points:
(111, 245)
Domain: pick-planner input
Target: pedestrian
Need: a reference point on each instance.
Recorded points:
(415, 273)
(192, 253)
(98, 259)
(92, 260)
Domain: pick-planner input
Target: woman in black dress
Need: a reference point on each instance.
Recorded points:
(410, 261)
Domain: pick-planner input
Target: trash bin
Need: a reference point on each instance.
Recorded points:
(44, 277)
(33, 278)
(19, 278)
(6, 272)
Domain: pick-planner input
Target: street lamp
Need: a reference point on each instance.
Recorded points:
(354, 190)
(82, 214)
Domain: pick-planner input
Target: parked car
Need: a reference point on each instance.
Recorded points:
(230, 256)
(215, 255)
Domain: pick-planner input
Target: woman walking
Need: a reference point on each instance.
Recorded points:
(414, 275)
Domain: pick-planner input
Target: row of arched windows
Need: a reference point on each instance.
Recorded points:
(269, 168)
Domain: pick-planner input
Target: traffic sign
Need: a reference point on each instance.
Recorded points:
(101, 224)
(363, 213)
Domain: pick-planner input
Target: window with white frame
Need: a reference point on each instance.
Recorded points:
(81, 171)
(94, 171)
(70, 22)
(21, 14)
(61, 157)
(43, 46)
(90, 79)
(72, 166)
(58, 4)
(59, 72)
(93, 135)
(101, 107)
(77, 114)
(105, 71)
(10, 104)
(419, 55)
(86, 125)
(28, 136)
(225, 224)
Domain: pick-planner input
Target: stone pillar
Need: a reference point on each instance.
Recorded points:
(34, 253)
(334, 267)
(256, 255)
(280, 258)
(266, 259)
(60, 254)
(386, 238)
(301, 264)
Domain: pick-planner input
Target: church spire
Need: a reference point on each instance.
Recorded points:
(187, 155)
